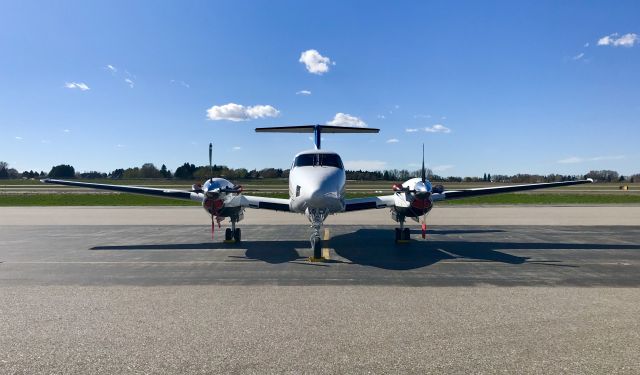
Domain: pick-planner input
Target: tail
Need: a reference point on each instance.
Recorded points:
(317, 130)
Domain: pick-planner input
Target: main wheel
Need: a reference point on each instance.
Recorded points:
(317, 249)
(406, 234)
(398, 234)
(237, 235)
(228, 234)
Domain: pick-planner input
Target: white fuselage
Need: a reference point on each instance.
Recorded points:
(317, 182)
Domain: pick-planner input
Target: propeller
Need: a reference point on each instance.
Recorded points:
(424, 180)
(424, 171)
(210, 155)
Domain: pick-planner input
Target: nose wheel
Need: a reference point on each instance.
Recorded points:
(316, 245)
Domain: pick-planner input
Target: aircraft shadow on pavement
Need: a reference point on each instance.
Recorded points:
(376, 248)
(267, 251)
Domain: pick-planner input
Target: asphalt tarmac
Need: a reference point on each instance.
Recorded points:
(359, 255)
(468, 299)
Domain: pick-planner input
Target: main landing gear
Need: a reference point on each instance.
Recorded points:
(403, 235)
(232, 234)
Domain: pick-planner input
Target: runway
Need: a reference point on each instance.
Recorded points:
(470, 298)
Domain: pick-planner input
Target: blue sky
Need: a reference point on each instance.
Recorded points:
(499, 87)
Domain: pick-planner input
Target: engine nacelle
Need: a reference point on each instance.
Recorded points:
(412, 199)
(215, 191)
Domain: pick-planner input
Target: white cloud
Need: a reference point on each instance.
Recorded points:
(381, 117)
(111, 68)
(442, 168)
(365, 165)
(315, 62)
(303, 92)
(393, 140)
(119, 145)
(77, 85)
(236, 148)
(238, 112)
(586, 45)
(627, 40)
(181, 83)
(578, 56)
(412, 130)
(573, 159)
(615, 157)
(344, 119)
(576, 159)
(397, 106)
(19, 138)
(437, 128)
(66, 131)
(129, 82)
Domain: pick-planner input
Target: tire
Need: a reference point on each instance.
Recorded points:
(237, 235)
(398, 234)
(317, 249)
(227, 234)
(406, 234)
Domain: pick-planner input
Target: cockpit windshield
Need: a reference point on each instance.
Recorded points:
(318, 160)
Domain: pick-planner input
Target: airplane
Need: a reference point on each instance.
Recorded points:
(317, 182)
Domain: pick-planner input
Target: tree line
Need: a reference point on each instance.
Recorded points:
(188, 171)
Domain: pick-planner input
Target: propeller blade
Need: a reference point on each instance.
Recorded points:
(424, 172)
(210, 156)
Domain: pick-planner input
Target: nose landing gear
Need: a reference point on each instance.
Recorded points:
(317, 218)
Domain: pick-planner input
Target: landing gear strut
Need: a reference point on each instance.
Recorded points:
(403, 234)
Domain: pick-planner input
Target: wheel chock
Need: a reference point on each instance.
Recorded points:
(312, 259)
(229, 241)
(325, 250)
(402, 241)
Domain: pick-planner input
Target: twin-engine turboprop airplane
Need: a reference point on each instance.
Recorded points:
(317, 189)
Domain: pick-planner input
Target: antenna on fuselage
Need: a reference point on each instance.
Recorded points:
(210, 156)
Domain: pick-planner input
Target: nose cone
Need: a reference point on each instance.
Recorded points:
(323, 194)
(323, 190)
(423, 189)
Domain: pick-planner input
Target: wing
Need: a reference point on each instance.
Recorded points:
(357, 204)
(466, 193)
(274, 204)
(163, 193)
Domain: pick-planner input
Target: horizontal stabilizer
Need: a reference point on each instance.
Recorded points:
(317, 130)
(312, 129)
